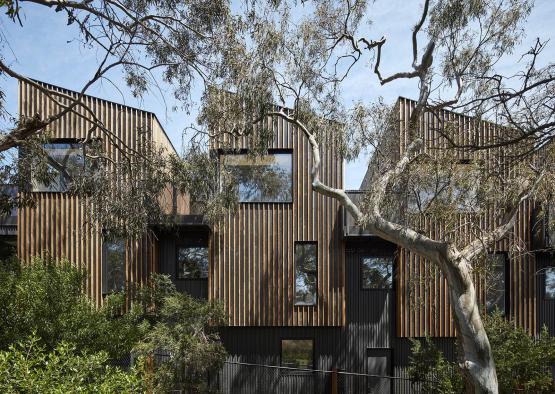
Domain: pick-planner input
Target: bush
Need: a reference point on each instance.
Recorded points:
(184, 334)
(46, 299)
(522, 361)
(430, 370)
(27, 367)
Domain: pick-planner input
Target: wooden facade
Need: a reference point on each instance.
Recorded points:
(56, 225)
(252, 264)
(423, 306)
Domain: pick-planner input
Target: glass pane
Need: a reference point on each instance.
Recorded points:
(550, 283)
(263, 179)
(115, 265)
(192, 262)
(67, 155)
(377, 272)
(378, 365)
(495, 283)
(306, 273)
(297, 353)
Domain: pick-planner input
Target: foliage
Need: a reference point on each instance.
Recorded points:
(183, 339)
(522, 361)
(46, 298)
(44, 301)
(430, 371)
(29, 367)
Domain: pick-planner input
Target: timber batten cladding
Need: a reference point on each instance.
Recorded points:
(423, 306)
(252, 261)
(56, 225)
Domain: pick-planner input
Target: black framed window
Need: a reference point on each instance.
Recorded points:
(192, 262)
(377, 272)
(267, 178)
(113, 265)
(496, 282)
(69, 161)
(306, 273)
(549, 283)
(297, 353)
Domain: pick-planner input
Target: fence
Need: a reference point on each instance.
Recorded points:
(242, 377)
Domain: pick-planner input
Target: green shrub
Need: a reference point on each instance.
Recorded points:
(185, 331)
(522, 361)
(430, 371)
(27, 367)
(46, 298)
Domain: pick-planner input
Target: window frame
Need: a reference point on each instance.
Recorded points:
(222, 153)
(104, 263)
(313, 355)
(379, 255)
(58, 141)
(295, 302)
(544, 284)
(416, 209)
(506, 284)
(191, 244)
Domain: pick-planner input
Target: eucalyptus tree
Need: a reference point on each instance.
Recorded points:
(292, 61)
(144, 44)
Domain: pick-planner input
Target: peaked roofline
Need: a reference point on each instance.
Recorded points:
(49, 85)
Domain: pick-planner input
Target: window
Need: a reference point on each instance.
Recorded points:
(113, 266)
(297, 353)
(263, 179)
(456, 185)
(379, 365)
(69, 157)
(306, 273)
(495, 282)
(377, 272)
(549, 287)
(192, 262)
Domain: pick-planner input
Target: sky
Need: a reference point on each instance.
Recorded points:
(43, 49)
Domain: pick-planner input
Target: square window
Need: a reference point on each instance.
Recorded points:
(306, 273)
(549, 289)
(297, 353)
(69, 161)
(192, 262)
(377, 272)
(267, 178)
(113, 266)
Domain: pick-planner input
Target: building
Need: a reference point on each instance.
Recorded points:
(302, 284)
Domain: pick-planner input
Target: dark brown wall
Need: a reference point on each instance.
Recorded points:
(252, 269)
(56, 225)
(423, 306)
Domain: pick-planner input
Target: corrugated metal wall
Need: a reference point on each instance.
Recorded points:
(252, 268)
(423, 305)
(168, 243)
(57, 225)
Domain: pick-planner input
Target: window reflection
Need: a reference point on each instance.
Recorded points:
(69, 162)
(297, 353)
(192, 262)
(114, 266)
(495, 283)
(306, 273)
(263, 179)
(377, 272)
(550, 283)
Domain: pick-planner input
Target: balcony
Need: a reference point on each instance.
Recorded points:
(350, 228)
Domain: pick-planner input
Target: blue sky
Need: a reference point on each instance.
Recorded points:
(41, 50)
